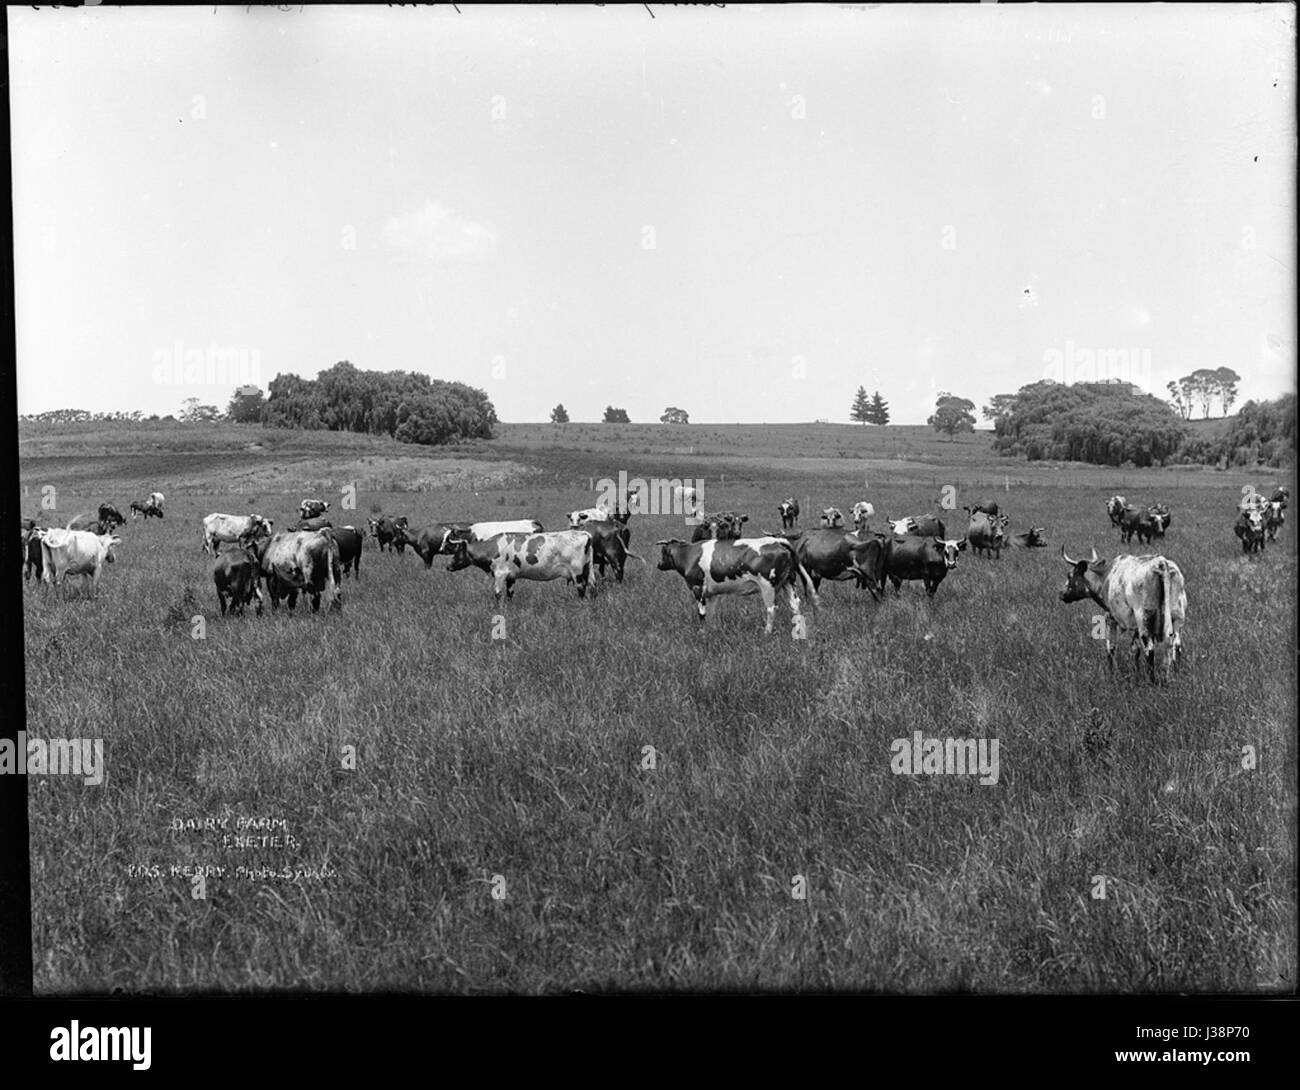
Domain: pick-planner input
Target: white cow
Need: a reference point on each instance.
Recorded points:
(481, 531)
(156, 500)
(75, 552)
(862, 511)
(589, 514)
(218, 528)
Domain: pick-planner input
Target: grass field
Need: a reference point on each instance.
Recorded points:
(506, 827)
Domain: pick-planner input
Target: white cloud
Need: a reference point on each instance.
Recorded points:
(440, 235)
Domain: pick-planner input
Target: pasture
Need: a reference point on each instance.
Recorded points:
(506, 826)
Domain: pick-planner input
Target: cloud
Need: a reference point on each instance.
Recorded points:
(440, 235)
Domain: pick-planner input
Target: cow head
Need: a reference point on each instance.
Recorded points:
(831, 516)
(1083, 578)
(576, 519)
(667, 549)
(109, 541)
(459, 555)
(949, 550)
(1034, 537)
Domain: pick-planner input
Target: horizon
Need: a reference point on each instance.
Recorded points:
(745, 213)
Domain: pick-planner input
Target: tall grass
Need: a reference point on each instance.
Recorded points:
(518, 766)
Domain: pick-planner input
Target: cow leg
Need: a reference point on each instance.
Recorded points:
(1112, 631)
(792, 596)
(701, 602)
(768, 592)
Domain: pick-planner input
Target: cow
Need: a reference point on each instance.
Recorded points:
(310, 509)
(862, 511)
(788, 509)
(725, 526)
(839, 555)
(1281, 494)
(74, 552)
(1142, 595)
(350, 542)
(1136, 521)
(32, 562)
(832, 518)
(441, 538)
(385, 531)
(110, 516)
(766, 565)
(1249, 528)
(987, 533)
(90, 523)
(1274, 518)
(235, 574)
(928, 559)
(218, 528)
(1115, 509)
(918, 526)
(1030, 539)
(609, 546)
(1160, 518)
(508, 557)
(320, 522)
(989, 508)
(147, 509)
(588, 514)
(298, 560)
(155, 501)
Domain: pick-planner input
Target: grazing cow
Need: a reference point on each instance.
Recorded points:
(235, 573)
(1115, 509)
(74, 552)
(1143, 595)
(1274, 518)
(320, 522)
(928, 559)
(110, 516)
(726, 526)
(987, 533)
(789, 512)
(990, 508)
(838, 555)
(350, 542)
(507, 557)
(1160, 518)
(91, 523)
(862, 511)
(385, 531)
(919, 526)
(766, 565)
(1135, 521)
(218, 528)
(1249, 528)
(299, 560)
(310, 509)
(147, 509)
(1030, 539)
(609, 546)
(832, 518)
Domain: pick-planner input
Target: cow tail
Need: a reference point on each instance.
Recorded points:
(801, 573)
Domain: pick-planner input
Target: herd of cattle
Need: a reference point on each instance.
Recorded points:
(1144, 596)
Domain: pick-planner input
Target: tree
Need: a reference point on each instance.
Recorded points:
(194, 413)
(1228, 379)
(861, 404)
(246, 405)
(952, 414)
(559, 414)
(675, 416)
(878, 410)
(999, 406)
(1180, 394)
(615, 416)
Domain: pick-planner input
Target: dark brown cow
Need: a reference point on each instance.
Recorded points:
(840, 555)
(235, 573)
(928, 559)
(1134, 521)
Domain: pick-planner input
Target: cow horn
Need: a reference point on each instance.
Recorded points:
(1066, 557)
(1093, 559)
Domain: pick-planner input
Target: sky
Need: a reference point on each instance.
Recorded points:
(745, 213)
